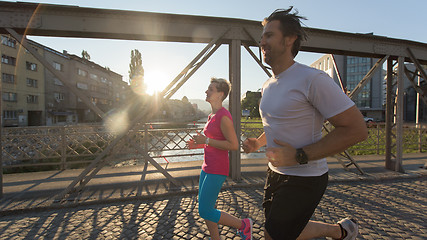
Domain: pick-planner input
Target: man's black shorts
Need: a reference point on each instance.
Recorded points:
(289, 203)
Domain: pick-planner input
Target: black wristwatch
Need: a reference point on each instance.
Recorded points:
(301, 157)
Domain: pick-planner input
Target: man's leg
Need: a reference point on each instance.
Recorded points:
(346, 228)
(289, 203)
(315, 229)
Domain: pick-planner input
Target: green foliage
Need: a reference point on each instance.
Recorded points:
(251, 123)
(135, 66)
(251, 103)
(85, 55)
(136, 72)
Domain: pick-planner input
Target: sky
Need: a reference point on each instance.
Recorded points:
(162, 61)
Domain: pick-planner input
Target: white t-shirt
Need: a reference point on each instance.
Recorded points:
(294, 106)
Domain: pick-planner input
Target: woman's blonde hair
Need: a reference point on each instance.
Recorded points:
(222, 85)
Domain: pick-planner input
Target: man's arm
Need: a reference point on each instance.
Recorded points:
(350, 128)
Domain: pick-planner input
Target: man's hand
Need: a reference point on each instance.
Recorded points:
(281, 156)
(250, 145)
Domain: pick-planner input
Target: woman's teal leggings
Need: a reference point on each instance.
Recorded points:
(209, 187)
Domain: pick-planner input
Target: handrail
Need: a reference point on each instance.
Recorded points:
(44, 147)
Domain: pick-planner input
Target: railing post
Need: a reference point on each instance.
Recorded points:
(145, 138)
(420, 138)
(378, 139)
(63, 148)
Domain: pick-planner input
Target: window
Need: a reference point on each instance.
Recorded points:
(60, 119)
(103, 79)
(59, 96)
(9, 114)
(10, 96)
(82, 86)
(103, 101)
(8, 78)
(35, 49)
(81, 72)
(10, 42)
(32, 82)
(57, 66)
(8, 60)
(32, 99)
(57, 82)
(94, 100)
(31, 66)
(93, 76)
(103, 90)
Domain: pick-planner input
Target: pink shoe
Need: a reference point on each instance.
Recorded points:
(246, 231)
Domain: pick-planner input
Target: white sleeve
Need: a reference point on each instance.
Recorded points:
(327, 97)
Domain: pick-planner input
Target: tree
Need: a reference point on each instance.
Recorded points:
(251, 103)
(85, 55)
(136, 72)
(185, 100)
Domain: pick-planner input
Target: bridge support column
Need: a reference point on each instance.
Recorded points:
(235, 109)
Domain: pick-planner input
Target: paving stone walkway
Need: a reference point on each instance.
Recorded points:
(385, 209)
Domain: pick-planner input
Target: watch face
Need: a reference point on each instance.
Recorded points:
(301, 157)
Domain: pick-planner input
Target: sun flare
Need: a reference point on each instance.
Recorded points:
(156, 81)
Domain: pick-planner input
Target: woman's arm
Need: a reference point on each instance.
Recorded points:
(230, 143)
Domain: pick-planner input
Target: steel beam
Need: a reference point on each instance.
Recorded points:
(389, 115)
(399, 115)
(416, 86)
(417, 63)
(193, 63)
(257, 60)
(367, 77)
(1, 137)
(193, 70)
(235, 108)
(71, 21)
(338, 74)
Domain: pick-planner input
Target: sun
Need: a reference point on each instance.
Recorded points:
(156, 81)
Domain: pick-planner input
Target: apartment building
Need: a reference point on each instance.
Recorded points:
(370, 99)
(33, 96)
(23, 91)
(105, 88)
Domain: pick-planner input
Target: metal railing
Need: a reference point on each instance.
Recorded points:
(63, 147)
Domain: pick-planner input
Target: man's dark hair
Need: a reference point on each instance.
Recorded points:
(290, 25)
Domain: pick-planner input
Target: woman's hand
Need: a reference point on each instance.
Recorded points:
(199, 139)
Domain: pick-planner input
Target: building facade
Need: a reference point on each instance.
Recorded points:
(33, 96)
(23, 90)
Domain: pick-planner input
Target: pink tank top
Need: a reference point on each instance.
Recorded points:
(216, 160)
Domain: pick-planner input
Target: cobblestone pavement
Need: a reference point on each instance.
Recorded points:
(389, 209)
